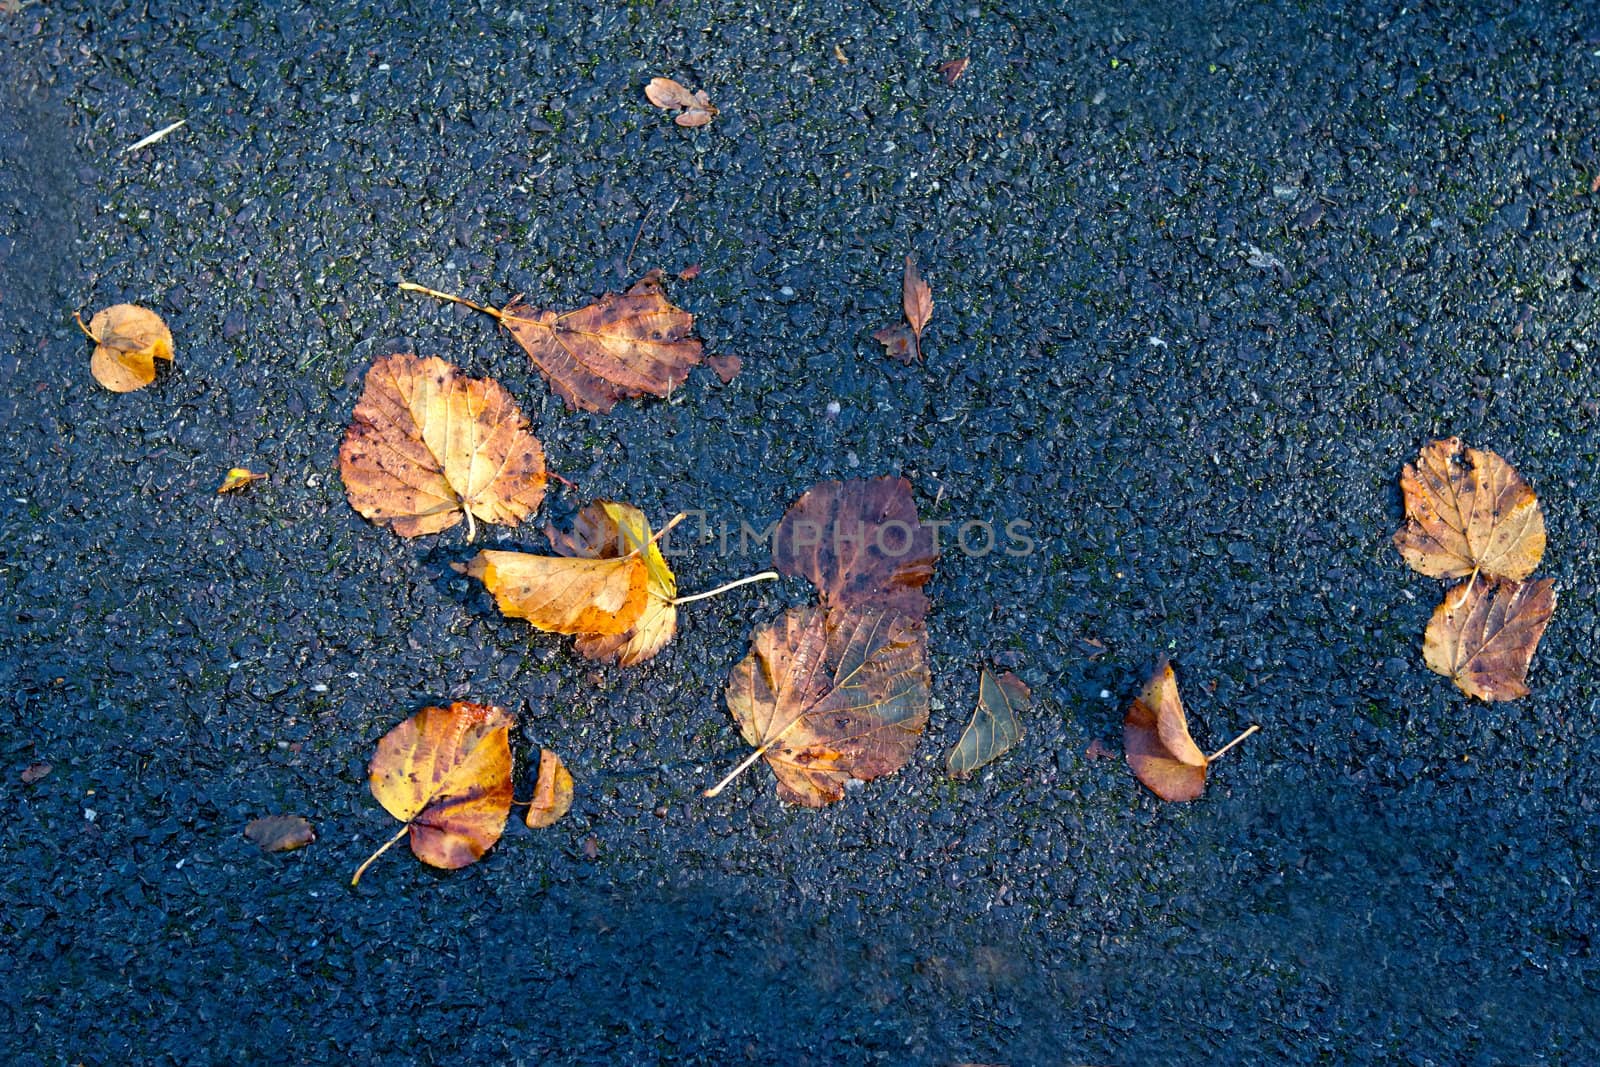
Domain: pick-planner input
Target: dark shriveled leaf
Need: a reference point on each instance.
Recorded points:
(996, 725)
(859, 542)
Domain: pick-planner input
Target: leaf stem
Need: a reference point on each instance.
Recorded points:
(764, 576)
(1253, 728)
(472, 526)
(412, 287)
(387, 845)
(750, 760)
(85, 329)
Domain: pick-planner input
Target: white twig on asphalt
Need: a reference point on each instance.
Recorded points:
(154, 137)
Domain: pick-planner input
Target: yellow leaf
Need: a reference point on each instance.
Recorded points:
(128, 340)
(552, 794)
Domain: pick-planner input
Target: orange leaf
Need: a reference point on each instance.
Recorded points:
(1484, 634)
(562, 595)
(608, 530)
(128, 340)
(552, 794)
(428, 444)
(860, 543)
(899, 343)
(831, 697)
(1468, 510)
(1155, 737)
(446, 774)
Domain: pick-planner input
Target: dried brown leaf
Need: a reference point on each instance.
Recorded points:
(623, 345)
(552, 793)
(280, 833)
(860, 543)
(916, 299)
(899, 343)
(951, 70)
(831, 697)
(1483, 635)
(34, 772)
(1155, 736)
(128, 340)
(726, 368)
(694, 109)
(428, 444)
(1467, 510)
(446, 774)
(996, 725)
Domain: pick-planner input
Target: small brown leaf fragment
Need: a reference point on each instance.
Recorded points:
(827, 697)
(838, 53)
(916, 300)
(128, 340)
(238, 478)
(34, 772)
(726, 368)
(446, 774)
(428, 444)
(951, 70)
(899, 343)
(280, 833)
(996, 725)
(1096, 750)
(552, 793)
(1483, 635)
(623, 345)
(1467, 510)
(695, 109)
(859, 542)
(689, 273)
(1155, 737)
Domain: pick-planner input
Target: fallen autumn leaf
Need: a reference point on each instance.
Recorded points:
(623, 345)
(446, 774)
(1483, 635)
(280, 833)
(694, 109)
(1468, 511)
(995, 725)
(128, 340)
(1155, 737)
(238, 478)
(552, 793)
(428, 445)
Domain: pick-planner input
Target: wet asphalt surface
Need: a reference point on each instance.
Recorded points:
(1205, 279)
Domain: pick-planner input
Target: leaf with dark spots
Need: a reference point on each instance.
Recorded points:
(859, 542)
(623, 345)
(1468, 511)
(1483, 635)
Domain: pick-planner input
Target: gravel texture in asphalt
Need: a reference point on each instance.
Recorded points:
(1205, 275)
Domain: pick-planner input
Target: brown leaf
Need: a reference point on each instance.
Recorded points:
(552, 794)
(631, 344)
(608, 530)
(689, 273)
(1096, 750)
(995, 726)
(726, 368)
(1468, 510)
(1155, 738)
(860, 543)
(446, 774)
(695, 108)
(34, 772)
(899, 343)
(951, 70)
(830, 697)
(916, 300)
(238, 478)
(280, 833)
(128, 340)
(428, 444)
(1483, 635)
